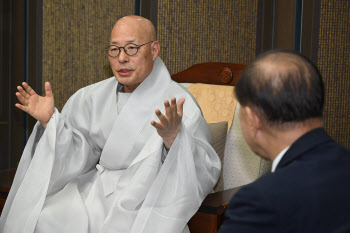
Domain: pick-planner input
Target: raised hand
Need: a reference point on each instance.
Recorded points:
(169, 125)
(39, 107)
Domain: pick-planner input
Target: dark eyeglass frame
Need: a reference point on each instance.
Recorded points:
(119, 48)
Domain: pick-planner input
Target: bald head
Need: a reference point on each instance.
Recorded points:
(141, 27)
(282, 86)
(133, 39)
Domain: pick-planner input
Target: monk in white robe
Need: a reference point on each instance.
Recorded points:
(111, 161)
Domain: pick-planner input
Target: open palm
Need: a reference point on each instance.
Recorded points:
(39, 107)
(169, 124)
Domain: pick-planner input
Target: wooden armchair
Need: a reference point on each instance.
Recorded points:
(217, 73)
(240, 165)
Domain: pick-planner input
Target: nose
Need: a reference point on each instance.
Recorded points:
(123, 57)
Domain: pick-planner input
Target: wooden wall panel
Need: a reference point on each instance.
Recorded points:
(75, 34)
(191, 31)
(334, 63)
(285, 24)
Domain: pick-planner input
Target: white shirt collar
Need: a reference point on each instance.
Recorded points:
(278, 159)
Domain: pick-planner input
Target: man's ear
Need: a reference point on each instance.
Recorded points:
(253, 118)
(155, 50)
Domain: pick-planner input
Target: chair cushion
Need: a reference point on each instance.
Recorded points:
(241, 165)
(217, 102)
(218, 139)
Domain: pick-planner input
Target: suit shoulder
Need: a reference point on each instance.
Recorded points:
(267, 189)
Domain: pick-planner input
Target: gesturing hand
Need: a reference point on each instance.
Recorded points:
(169, 125)
(41, 108)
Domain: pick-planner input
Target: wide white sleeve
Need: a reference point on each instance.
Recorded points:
(51, 158)
(188, 174)
(75, 152)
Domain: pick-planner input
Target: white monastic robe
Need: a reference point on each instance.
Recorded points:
(94, 169)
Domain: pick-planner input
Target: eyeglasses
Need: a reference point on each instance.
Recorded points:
(130, 49)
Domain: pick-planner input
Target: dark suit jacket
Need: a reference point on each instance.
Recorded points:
(308, 192)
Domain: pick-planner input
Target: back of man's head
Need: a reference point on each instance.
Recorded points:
(282, 87)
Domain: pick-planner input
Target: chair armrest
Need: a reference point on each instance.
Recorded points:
(216, 203)
(210, 214)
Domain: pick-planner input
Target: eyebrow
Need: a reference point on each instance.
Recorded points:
(127, 42)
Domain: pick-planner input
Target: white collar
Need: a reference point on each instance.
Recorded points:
(278, 159)
(146, 97)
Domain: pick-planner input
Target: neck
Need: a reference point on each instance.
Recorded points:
(279, 137)
(129, 89)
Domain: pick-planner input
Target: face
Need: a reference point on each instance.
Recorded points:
(132, 70)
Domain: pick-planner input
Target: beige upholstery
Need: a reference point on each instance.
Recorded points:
(240, 165)
(218, 141)
(217, 102)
